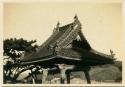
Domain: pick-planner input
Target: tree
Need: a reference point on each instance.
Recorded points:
(13, 51)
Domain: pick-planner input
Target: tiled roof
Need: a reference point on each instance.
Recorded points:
(45, 49)
(82, 54)
(76, 54)
(64, 36)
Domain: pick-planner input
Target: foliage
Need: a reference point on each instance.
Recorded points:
(14, 47)
(13, 51)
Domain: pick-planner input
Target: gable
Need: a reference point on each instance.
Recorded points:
(79, 42)
(85, 44)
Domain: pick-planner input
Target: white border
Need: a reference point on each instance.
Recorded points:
(51, 85)
(1, 43)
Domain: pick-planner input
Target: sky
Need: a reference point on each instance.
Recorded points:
(101, 22)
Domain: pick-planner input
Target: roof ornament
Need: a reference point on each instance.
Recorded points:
(57, 48)
(75, 17)
(76, 20)
(57, 27)
(58, 23)
(112, 53)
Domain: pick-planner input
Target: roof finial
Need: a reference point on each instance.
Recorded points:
(112, 53)
(75, 17)
(56, 29)
(58, 23)
(76, 20)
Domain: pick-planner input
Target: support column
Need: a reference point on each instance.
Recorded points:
(44, 75)
(63, 68)
(62, 73)
(68, 77)
(87, 76)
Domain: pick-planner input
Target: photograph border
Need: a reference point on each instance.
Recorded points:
(74, 85)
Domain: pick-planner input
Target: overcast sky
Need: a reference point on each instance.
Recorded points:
(101, 22)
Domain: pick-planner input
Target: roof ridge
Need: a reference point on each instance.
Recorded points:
(49, 39)
(83, 38)
(72, 31)
(67, 31)
(52, 36)
(66, 25)
(63, 35)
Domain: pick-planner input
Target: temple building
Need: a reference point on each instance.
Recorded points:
(68, 50)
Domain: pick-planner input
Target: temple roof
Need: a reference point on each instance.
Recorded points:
(61, 45)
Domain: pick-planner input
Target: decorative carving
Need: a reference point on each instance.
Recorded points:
(57, 27)
(57, 48)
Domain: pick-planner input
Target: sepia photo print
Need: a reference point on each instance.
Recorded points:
(71, 42)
